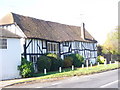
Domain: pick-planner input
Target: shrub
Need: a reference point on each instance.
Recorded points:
(56, 61)
(78, 60)
(60, 61)
(52, 55)
(68, 61)
(101, 59)
(26, 68)
(43, 63)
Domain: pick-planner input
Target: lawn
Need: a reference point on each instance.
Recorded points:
(77, 72)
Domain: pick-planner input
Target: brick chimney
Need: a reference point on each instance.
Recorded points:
(83, 31)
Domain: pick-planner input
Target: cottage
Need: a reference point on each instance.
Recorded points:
(40, 37)
(10, 54)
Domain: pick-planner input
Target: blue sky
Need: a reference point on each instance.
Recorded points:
(100, 16)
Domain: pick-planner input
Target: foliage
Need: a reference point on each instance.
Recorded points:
(68, 61)
(99, 50)
(77, 72)
(111, 44)
(26, 68)
(101, 59)
(43, 63)
(78, 60)
(56, 61)
(52, 55)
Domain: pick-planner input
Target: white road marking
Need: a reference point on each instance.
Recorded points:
(50, 85)
(56, 83)
(108, 84)
(38, 87)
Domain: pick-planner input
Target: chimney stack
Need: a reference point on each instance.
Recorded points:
(83, 31)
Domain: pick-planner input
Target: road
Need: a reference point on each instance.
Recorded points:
(107, 79)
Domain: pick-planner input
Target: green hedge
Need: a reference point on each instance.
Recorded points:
(68, 61)
(43, 63)
(50, 61)
(56, 61)
(78, 60)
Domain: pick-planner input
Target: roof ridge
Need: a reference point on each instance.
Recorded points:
(38, 28)
(43, 20)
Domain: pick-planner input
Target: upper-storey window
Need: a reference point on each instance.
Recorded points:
(65, 43)
(77, 45)
(44, 44)
(53, 47)
(3, 43)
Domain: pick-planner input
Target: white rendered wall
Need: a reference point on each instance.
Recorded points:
(0, 65)
(11, 58)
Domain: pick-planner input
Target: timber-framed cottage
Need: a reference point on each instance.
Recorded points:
(39, 37)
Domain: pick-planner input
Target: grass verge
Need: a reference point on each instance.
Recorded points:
(76, 72)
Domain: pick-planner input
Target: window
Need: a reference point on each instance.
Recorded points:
(53, 47)
(77, 45)
(44, 44)
(3, 43)
(76, 51)
(66, 55)
(65, 43)
(33, 59)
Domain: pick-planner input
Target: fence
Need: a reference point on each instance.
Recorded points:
(112, 58)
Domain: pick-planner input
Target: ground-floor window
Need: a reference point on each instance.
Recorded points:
(66, 56)
(33, 59)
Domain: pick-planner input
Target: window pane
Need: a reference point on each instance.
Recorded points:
(53, 47)
(3, 43)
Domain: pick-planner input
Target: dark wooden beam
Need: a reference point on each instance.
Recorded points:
(25, 50)
(28, 44)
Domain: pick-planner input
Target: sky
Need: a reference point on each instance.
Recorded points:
(100, 16)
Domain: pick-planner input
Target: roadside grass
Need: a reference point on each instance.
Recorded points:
(51, 72)
(69, 73)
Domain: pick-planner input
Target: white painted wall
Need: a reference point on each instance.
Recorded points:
(11, 58)
(0, 64)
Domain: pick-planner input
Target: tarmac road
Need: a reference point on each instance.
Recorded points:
(107, 79)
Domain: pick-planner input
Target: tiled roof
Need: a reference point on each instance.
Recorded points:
(7, 34)
(36, 28)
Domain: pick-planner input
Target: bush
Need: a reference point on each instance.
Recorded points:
(52, 55)
(101, 59)
(68, 61)
(26, 68)
(56, 61)
(43, 63)
(78, 60)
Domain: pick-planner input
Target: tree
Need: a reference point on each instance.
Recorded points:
(99, 50)
(111, 44)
